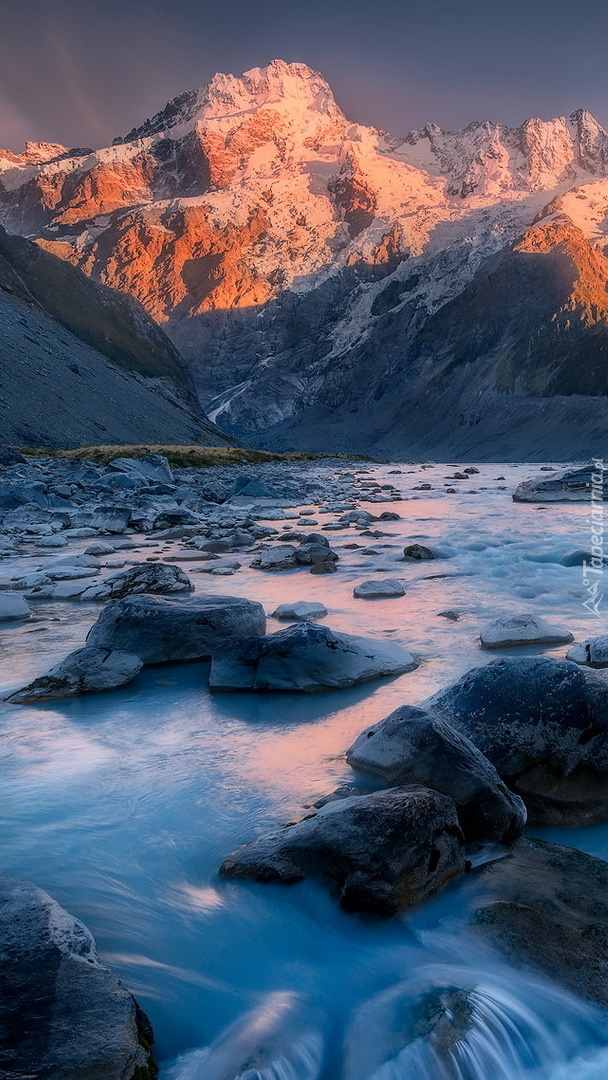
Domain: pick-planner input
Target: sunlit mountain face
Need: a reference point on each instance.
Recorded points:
(330, 283)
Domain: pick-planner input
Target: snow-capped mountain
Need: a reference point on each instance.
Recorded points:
(296, 258)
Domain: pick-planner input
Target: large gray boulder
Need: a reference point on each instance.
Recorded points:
(158, 578)
(154, 468)
(161, 631)
(543, 724)
(382, 852)
(412, 746)
(84, 671)
(305, 657)
(280, 557)
(110, 519)
(571, 485)
(547, 906)
(63, 1015)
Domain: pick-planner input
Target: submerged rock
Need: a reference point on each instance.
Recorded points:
(161, 631)
(305, 657)
(522, 630)
(383, 852)
(590, 653)
(412, 746)
(547, 906)
(158, 578)
(382, 587)
(63, 1015)
(84, 671)
(543, 724)
(571, 485)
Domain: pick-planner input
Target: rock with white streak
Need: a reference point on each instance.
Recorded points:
(84, 671)
(157, 578)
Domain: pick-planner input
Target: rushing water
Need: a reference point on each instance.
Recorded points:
(123, 805)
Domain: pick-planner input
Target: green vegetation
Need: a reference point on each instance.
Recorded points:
(183, 456)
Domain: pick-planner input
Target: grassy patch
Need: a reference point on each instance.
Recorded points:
(182, 456)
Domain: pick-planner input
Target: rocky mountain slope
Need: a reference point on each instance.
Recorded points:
(308, 267)
(73, 361)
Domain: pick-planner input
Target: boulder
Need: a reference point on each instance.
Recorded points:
(381, 587)
(593, 652)
(412, 746)
(571, 485)
(543, 724)
(162, 631)
(158, 578)
(305, 657)
(313, 552)
(13, 606)
(110, 519)
(382, 852)
(84, 671)
(63, 1014)
(418, 552)
(514, 630)
(546, 906)
(281, 557)
(301, 611)
(153, 467)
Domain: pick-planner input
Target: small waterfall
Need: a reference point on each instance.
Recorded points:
(445, 1024)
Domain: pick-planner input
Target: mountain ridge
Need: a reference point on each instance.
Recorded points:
(292, 256)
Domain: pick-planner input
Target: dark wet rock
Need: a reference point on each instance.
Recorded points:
(453, 616)
(300, 611)
(63, 1015)
(515, 630)
(571, 485)
(280, 557)
(543, 724)
(161, 630)
(417, 552)
(85, 671)
(547, 906)
(412, 746)
(382, 852)
(579, 557)
(305, 657)
(158, 578)
(325, 567)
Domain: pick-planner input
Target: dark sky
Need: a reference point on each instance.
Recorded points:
(82, 71)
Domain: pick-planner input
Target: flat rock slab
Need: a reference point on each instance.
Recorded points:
(382, 852)
(543, 724)
(375, 590)
(161, 630)
(84, 671)
(515, 630)
(547, 906)
(63, 1015)
(412, 746)
(305, 657)
(571, 485)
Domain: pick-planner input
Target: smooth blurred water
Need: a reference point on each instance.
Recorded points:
(123, 806)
